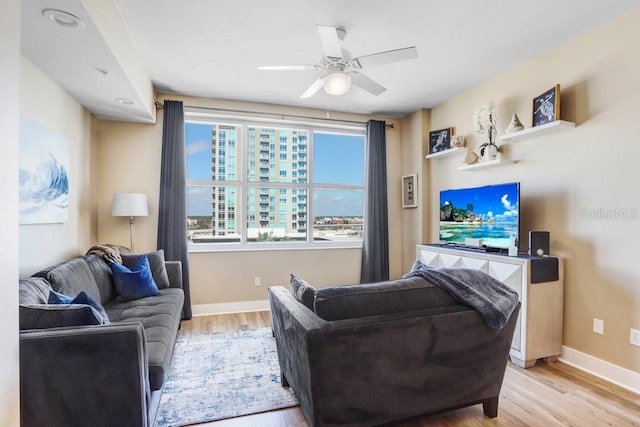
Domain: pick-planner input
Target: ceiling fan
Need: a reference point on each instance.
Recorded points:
(339, 70)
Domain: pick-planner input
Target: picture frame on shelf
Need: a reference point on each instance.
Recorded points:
(440, 140)
(410, 191)
(546, 107)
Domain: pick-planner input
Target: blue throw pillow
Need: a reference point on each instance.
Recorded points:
(81, 298)
(136, 282)
(156, 263)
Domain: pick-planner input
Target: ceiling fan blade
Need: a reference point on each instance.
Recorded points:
(387, 57)
(312, 89)
(330, 41)
(366, 83)
(286, 67)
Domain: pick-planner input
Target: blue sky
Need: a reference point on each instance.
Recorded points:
(490, 201)
(198, 151)
(329, 168)
(338, 169)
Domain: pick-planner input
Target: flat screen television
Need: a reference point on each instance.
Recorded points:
(490, 213)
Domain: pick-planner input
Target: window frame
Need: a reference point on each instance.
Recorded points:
(243, 184)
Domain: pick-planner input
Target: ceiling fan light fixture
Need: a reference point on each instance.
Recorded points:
(337, 83)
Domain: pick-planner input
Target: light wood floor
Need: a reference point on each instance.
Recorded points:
(546, 395)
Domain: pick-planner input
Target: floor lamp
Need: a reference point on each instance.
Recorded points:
(130, 204)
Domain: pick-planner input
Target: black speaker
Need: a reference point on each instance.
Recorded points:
(539, 243)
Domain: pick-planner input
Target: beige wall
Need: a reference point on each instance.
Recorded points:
(129, 160)
(44, 102)
(415, 221)
(226, 277)
(10, 131)
(594, 166)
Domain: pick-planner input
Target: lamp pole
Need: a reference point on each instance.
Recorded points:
(131, 233)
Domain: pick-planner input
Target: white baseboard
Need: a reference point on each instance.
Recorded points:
(229, 307)
(602, 369)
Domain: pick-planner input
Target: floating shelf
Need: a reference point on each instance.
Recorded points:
(532, 132)
(486, 165)
(445, 153)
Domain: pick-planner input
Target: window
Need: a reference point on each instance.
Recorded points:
(317, 198)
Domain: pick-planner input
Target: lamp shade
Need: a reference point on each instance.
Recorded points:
(337, 83)
(129, 204)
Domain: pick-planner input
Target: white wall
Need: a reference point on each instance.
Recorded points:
(9, 129)
(594, 166)
(44, 102)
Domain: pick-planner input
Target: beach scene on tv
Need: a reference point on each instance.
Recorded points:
(489, 213)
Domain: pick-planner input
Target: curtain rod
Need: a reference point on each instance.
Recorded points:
(160, 105)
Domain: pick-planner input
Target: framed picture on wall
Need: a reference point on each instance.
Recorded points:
(546, 107)
(440, 140)
(410, 191)
(44, 175)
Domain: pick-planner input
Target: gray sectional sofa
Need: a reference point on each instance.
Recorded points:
(363, 355)
(75, 370)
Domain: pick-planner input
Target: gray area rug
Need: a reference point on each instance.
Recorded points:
(222, 375)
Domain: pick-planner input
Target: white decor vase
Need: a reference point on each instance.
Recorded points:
(490, 152)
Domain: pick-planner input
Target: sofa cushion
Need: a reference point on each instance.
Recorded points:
(134, 283)
(160, 317)
(33, 290)
(81, 298)
(102, 274)
(156, 263)
(353, 301)
(44, 316)
(71, 277)
(303, 291)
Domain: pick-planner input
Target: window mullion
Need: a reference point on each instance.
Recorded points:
(310, 188)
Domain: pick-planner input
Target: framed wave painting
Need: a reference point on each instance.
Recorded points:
(44, 176)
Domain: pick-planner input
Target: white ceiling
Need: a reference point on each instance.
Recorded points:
(212, 48)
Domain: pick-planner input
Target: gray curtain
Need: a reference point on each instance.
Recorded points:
(172, 216)
(375, 242)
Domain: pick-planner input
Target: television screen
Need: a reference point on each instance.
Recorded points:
(490, 213)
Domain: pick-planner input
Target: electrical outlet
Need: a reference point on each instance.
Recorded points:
(598, 326)
(634, 337)
(257, 281)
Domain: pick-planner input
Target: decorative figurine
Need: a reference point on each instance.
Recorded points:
(515, 124)
(471, 157)
(457, 141)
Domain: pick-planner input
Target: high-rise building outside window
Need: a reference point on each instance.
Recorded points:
(291, 184)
